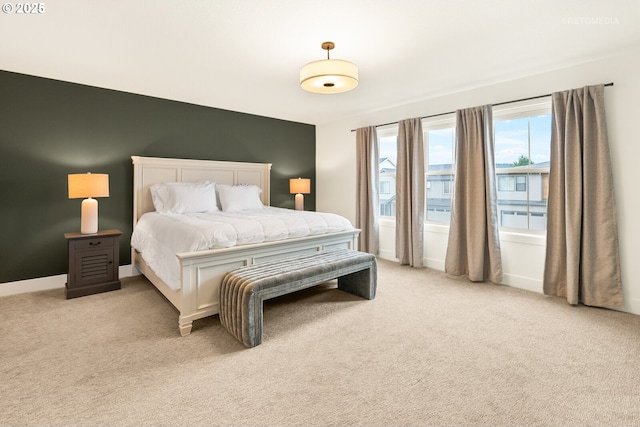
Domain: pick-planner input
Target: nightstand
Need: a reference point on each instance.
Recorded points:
(93, 263)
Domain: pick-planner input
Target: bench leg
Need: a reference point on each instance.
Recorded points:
(361, 283)
(252, 321)
(242, 315)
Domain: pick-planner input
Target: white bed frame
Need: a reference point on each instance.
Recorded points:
(202, 271)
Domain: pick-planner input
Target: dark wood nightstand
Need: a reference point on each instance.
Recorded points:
(93, 263)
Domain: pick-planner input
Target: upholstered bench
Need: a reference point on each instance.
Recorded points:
(243, 290)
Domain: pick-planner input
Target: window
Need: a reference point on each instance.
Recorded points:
(446, 187)
(522, 138)
(512, 183)
(388, 145)
(439, 142)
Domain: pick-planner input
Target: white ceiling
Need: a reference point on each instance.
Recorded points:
(245, 55)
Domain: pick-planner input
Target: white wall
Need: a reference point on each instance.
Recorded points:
(523, 255)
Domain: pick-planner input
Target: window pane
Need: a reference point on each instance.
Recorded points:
(439, 197)
(512, 142)
(538, 195)
(539, 183)
(506, 183)
(440, 149)
(541, 140)
(387, 169)
(523, 147)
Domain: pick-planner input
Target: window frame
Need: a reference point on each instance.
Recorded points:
(518, 110)
(445, 121)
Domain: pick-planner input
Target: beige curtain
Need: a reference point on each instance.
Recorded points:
(410, 192)
(367, 205)
(582, 260)
(474, 244)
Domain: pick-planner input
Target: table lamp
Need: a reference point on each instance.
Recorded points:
(88, 186)
(299, 186)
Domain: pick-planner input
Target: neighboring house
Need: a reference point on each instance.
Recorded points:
(522, 193)
(522, 202)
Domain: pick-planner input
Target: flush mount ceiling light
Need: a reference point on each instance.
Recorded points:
(329, 75)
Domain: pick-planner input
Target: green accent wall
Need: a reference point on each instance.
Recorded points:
(50, 128)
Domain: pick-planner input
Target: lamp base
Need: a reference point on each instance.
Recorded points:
(89, 221)
(299, 202)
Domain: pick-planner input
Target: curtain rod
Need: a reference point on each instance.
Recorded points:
(499, 103)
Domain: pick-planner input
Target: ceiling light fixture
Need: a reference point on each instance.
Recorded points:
(329, 75)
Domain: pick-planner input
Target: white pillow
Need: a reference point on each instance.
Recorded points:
(184, 197)
(236, 198)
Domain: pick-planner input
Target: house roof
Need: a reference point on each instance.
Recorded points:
(246, 55)
(390, 166)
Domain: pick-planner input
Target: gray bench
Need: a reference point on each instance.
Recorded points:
(243, 290)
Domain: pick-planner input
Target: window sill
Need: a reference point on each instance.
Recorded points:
(535, 239)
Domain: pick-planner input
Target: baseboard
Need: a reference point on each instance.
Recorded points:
(388, 255)
(434, 264)
(521, 282)
(631, 305)
(51, 282)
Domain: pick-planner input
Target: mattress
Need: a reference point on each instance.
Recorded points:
(159, 237)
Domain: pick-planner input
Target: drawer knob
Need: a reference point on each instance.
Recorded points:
(94, 243)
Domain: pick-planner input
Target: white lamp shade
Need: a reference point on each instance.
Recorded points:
(83, 185)
(329, 76)
(300, 186)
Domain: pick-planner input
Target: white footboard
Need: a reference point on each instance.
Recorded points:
(202, 272)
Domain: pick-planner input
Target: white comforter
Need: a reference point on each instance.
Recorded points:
(159, 237)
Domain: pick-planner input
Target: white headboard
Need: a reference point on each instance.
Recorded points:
(154, 170)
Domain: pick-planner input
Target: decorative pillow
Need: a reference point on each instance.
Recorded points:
(236, 198)
(184, 197)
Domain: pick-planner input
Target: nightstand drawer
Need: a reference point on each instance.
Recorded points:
(93, 243)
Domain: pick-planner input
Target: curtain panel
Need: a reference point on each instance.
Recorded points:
(582, 260)
(474, 244)
(410, 192)
(367, 202)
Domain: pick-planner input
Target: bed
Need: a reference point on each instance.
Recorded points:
(201, 272)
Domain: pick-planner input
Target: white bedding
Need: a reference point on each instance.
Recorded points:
(159, 237)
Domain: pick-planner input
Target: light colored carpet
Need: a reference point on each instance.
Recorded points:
(429, 350)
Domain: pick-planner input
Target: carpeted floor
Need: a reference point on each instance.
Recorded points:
(429, 350)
